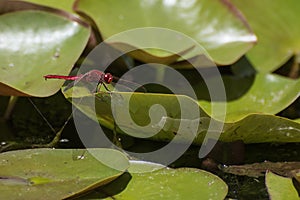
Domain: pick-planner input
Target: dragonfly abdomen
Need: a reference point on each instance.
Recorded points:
(71, 78)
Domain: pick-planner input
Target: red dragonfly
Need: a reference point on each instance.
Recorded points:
(94, 76)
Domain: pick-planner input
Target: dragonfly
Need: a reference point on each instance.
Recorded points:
(98, 77)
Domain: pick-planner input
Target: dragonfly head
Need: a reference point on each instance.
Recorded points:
(108, 78)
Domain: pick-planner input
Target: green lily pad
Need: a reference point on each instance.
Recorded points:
(66, 5)
(216, 25)
(254, 128)
(145, 118)
(269, 94)
(245, 124)
(55, 173)
(277, 29)
(280, 188)
(138, 166)
(166, 183)
(258, 128)
(34, 44)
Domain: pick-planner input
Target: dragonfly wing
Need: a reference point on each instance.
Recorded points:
(128, 86)
(68, 86)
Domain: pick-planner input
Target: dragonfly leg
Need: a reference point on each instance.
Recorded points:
(105, 87)
(98, 87)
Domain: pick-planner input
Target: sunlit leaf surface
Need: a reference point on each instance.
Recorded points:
(54, 173)
(277, 27)
(34, 44)
(216, 25)
(280, 188)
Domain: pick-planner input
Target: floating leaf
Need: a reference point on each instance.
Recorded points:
(255, 128)
(259, 128)
(280, 188)
(216, 25)
(168, 183)
(269, 94)
(297, 120)
(34, 44)
(277, 29)
(146, 112)
(63, 5)
(54, 173)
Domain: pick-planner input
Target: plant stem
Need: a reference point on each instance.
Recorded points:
(11, 104)
(57, 137)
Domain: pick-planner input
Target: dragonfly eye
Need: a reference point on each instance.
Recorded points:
(108, 78)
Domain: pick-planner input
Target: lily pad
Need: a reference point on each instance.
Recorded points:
(164, 184)
(269, 94)
(140, 116)
(144, 116)
(54, 173)
(254, 128)
(216, 25)
(34, 44)
(280, 188)
(277, 29)
(66, 5)
(259, 128)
